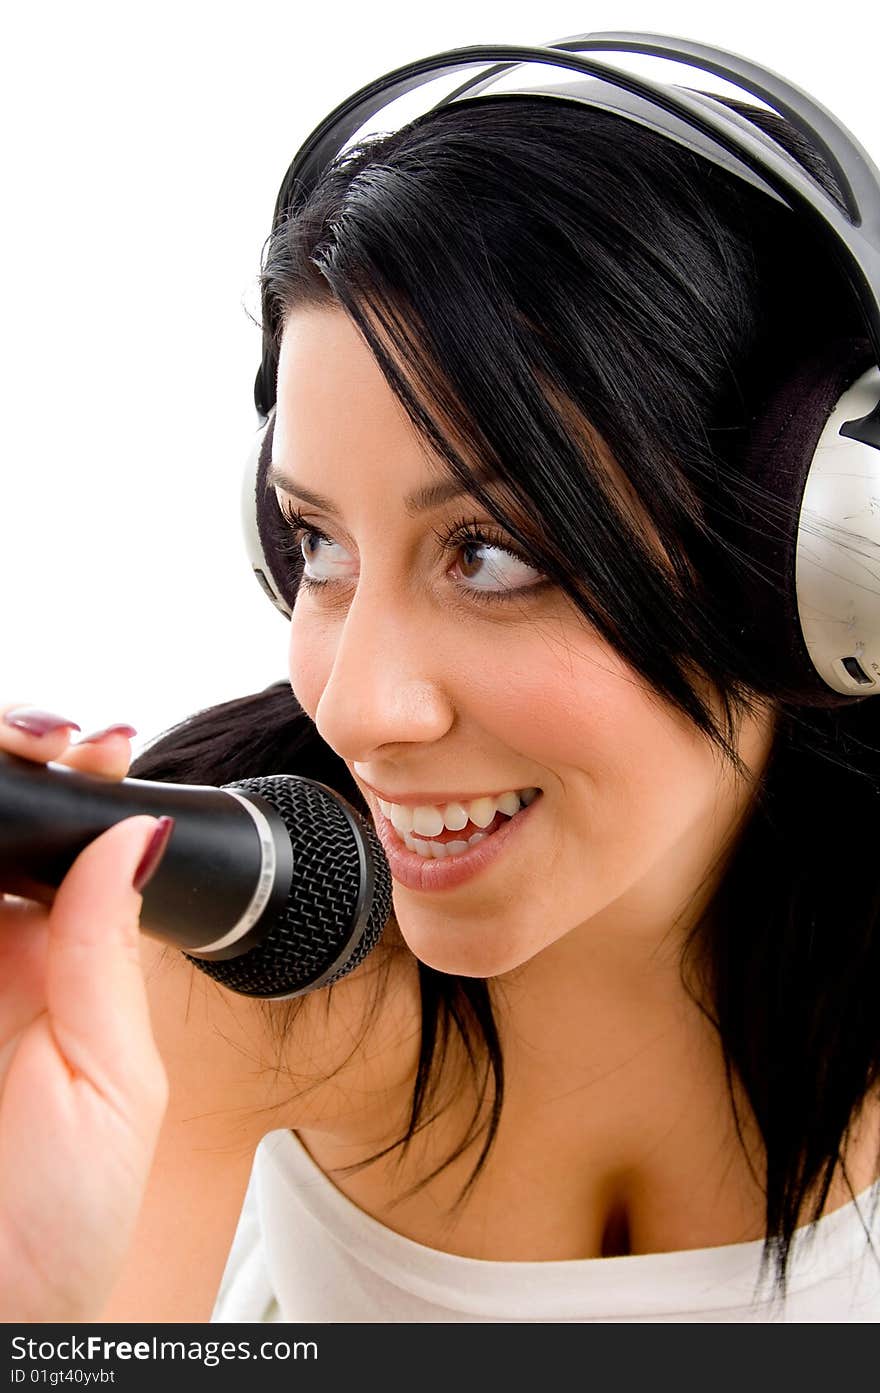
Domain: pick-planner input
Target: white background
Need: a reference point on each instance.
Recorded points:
(143, 150)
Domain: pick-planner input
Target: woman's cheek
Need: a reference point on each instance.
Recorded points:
(309, 659)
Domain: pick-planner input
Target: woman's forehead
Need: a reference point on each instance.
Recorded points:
(335, 402)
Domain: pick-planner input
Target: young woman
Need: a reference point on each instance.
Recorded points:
(623, 1064)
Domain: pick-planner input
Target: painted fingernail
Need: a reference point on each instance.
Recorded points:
(108, 730)
(153, 853)
(37, 722)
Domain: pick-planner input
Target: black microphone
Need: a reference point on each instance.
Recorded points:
(274, 885)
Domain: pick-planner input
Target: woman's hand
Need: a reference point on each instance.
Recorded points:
(83, 1089)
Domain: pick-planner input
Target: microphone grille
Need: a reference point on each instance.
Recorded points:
(339, 899)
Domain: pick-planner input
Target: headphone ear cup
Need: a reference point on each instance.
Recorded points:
(799, 631)
(261, 526)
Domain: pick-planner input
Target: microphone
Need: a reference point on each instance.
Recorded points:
(274, 886)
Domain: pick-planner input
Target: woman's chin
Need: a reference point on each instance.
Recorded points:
(457, 951)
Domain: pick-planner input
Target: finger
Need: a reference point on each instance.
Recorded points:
(34, 733)
(106, 753)
(95, 990)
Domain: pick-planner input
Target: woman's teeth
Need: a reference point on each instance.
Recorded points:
(431, 821)
(425, 847)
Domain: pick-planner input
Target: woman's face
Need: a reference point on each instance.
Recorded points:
(425, 688)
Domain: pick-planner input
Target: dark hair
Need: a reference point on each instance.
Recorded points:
(522, 264)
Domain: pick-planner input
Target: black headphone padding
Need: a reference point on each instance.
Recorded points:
(778, 454)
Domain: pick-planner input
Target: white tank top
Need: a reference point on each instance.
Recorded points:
(303, 1251)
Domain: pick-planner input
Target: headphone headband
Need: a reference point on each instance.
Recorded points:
(814, 444)
(689, 117)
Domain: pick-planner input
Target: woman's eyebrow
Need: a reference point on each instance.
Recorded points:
(427, 497)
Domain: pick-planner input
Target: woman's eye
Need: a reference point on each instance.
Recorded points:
(322, 563)
(489, 566)
(315, 549)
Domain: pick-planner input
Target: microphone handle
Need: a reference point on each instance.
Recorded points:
(226, 872)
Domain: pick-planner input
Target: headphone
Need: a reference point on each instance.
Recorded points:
(816, 443)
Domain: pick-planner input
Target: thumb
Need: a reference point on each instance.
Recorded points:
(95, 991)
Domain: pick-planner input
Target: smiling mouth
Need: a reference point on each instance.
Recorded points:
(448, 844)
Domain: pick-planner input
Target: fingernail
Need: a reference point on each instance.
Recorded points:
(37, 722)
(108, 730)
(155, 849)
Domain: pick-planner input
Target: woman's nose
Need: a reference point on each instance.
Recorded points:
(385, 685)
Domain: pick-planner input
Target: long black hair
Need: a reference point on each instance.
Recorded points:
(522, 263)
